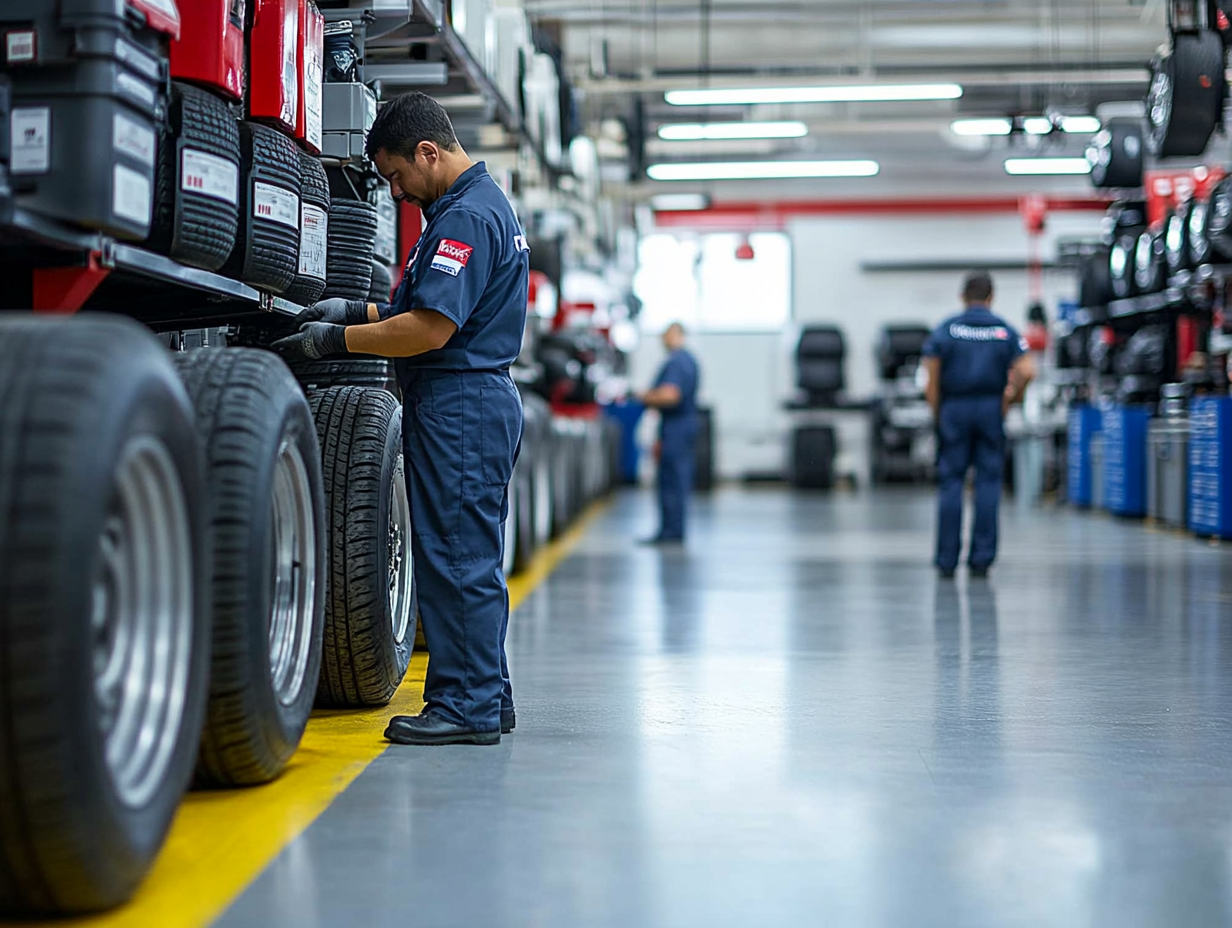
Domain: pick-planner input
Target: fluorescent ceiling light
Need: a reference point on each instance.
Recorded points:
(980, 127)
(761, 170)
(678, 202)
(1035, 125)
(698, 131)
(1035, 166)
(873, 93)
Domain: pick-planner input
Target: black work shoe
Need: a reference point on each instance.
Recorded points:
(945, 574)
(978, 573)
(660, 542)
(509, 721)
(431, 729)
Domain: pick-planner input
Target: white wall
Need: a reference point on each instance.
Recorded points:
(746, 378)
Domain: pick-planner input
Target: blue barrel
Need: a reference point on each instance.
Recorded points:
(1210, 457)
(627, 415)
(1084, 421)
(1125, 430)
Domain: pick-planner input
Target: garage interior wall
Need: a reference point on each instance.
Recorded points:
(747, 377)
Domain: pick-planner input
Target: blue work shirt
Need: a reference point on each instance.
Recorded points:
(471, 265)
(977, 350)
(682, 372)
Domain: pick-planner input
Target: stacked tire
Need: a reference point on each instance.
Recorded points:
(371, 612)
(266, 253)
(267, 511)
(196, 186)
(309, 281)
(381, 288)
(352, 238)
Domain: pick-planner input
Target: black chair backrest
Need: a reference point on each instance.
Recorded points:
(819, 362)
(899, 347)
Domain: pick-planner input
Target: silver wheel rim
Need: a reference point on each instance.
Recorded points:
(142, 621)
(401, 562)
(511, 530)
(543, 502)
(293, 602)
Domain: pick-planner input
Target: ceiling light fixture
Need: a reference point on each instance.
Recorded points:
(1041, 166)
(1034, 125)
(699, 131)
(679, 202)
(761, 170)
(873, 93)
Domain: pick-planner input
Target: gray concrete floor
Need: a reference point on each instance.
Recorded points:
(794, 723)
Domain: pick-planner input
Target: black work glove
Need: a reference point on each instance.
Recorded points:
(314, 340)
(335, 312)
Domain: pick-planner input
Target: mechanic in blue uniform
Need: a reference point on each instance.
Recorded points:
(674, 395)
(977, 368)
(454, 325)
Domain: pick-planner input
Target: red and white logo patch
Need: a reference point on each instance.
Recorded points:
(451, 256)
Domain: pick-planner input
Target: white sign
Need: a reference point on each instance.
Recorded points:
(132, 139)
(19, 46)
(31, 140)
(313, 235)
(132, 195)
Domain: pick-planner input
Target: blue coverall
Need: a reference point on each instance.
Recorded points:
(677, 436)
(462, 431)
(977, 350)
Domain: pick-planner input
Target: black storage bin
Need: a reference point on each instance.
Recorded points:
(266, 251)
(87, 95)
(352, 240)
(812, 457)
(197, 186)
(313, 233)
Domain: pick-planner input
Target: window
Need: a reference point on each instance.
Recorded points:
(700, 282)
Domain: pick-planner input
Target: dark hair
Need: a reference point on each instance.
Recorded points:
(407, 120)
(977, 288)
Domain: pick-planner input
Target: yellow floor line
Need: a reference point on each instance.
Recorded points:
(221, 841)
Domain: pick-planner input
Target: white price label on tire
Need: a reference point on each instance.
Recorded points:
(132, 195)
(275, 204)
(31, 140)
(313, 235)
(209, 176)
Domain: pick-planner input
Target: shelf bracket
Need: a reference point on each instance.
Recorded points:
(66, 289)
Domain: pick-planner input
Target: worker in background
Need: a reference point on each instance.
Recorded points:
(455, 325)
(978, 367)
(674, 395)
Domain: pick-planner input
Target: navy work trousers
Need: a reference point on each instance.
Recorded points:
(676, 462)
(971, 434)
(462, 431)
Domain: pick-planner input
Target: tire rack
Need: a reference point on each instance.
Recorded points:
(1196, 295)
(70, 268)
(73, 269)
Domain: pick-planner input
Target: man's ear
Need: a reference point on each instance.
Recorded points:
(429, 152)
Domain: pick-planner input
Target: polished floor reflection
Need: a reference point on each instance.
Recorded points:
(794, 723)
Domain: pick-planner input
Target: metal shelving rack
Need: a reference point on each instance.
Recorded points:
(80, 261)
